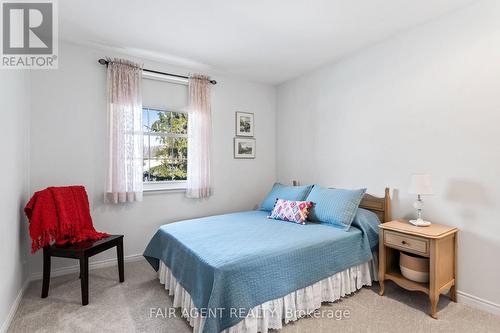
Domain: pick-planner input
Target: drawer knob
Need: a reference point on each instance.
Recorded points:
(403, 242)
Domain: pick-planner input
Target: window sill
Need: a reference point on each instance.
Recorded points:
(163, 190)
(178, 186)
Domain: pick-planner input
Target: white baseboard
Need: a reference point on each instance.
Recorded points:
(14, 306)
(92, 265)
(478, 303)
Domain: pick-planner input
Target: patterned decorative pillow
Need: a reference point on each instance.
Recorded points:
(292, 211)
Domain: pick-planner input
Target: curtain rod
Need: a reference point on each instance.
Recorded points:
(105, 62)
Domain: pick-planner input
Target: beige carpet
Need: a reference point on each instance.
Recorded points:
(125, 307)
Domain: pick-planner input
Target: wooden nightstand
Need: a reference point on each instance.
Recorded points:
(437, 242)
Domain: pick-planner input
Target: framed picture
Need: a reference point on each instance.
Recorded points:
(244, 148)
(244, 124)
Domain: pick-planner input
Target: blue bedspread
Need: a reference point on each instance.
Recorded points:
(241, 260)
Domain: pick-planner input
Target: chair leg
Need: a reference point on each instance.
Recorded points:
(46, 272)
(119, 252)
(84, 278)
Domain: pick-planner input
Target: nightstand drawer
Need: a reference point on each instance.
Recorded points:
(404, 242)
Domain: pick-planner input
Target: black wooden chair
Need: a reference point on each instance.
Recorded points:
(82, 251)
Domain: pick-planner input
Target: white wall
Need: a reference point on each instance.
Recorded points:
(425, 101)
(14, 247)
(69, 139)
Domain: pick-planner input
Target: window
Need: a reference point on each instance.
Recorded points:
(165, 149)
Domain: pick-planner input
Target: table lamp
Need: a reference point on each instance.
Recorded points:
(420, 185)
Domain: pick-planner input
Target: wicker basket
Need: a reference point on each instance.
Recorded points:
(414, 267)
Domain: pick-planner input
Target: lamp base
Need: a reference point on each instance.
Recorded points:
(420, 223)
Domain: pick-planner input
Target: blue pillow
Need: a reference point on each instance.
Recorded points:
(295, 193)
(334, 206)
(368, 222)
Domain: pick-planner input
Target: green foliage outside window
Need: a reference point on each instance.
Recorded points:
(167, 146)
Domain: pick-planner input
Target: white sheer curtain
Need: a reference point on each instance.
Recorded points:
(199, 138)
(125, 165)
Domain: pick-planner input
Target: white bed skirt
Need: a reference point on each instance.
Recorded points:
(273, 314)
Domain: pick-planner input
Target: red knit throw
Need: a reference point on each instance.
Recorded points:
(60, 214)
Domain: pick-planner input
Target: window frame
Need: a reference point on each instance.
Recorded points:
(165, 185)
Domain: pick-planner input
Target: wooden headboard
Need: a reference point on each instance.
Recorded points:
(380, 206)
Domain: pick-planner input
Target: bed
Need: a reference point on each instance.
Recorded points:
(242, 272)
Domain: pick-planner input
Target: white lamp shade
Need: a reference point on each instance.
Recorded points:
(421, 184)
